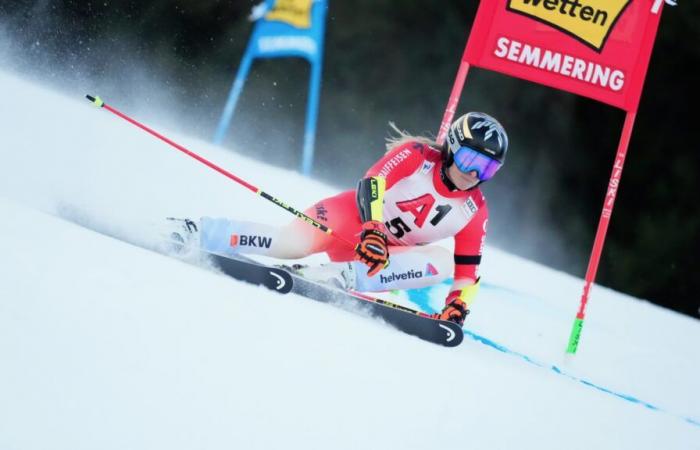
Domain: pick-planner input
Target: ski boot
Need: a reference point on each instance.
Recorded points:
(183, 236)
(455, 311)
(338, 275)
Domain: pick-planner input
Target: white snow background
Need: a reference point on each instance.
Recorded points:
(105, 345)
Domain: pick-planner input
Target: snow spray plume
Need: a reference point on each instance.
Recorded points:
(97, 101)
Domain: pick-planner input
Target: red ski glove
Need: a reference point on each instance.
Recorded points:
(373, 248)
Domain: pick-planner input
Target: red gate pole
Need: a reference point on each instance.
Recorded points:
(608, 204)
(455, 95)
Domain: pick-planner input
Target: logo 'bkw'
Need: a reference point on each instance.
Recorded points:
(589, 21)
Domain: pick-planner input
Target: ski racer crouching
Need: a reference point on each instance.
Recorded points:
(416, 194)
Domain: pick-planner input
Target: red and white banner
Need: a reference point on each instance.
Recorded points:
(595, 48)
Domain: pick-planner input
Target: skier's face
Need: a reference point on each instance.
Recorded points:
(463, 180)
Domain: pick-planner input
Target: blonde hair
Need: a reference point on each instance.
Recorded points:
(401, 137)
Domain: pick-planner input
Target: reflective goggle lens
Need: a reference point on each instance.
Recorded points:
(468, 159)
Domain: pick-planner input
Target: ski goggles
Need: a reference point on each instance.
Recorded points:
(469, 159)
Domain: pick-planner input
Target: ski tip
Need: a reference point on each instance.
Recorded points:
(454, 335)
(97, 101)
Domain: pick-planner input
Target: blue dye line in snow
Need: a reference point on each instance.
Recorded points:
(421, 297)
(558, 371)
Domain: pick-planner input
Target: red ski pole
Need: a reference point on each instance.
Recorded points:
(97, 101)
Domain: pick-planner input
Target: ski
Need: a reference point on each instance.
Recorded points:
(407, 320)
(273, 278)
(241, 268)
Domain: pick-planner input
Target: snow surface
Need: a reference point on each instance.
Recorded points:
(105, 345)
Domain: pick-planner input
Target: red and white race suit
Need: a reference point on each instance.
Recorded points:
(418, 210)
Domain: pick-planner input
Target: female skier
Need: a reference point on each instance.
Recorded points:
(418, 193)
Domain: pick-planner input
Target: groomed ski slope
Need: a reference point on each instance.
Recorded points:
(105, 345)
